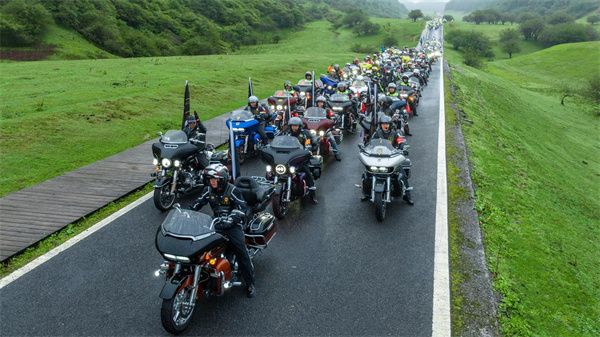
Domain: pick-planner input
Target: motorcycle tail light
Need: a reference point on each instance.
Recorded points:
(212, 261)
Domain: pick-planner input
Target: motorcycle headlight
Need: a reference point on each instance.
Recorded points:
(272, 107)
(269, 168)
(313, 132)
(302, 94)
(280, 169)
(373, 168)
(154, 161)
(329, 87)
(321, 133)
(176, 163)
(292, 170)
(166, 162)
(337, 108)
(279, 107)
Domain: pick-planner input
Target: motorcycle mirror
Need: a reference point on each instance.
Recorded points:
(160, 133)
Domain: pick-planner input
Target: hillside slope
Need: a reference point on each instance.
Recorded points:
(536, 167)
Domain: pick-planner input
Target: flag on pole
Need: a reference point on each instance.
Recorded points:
(250, 89)
(186, 104)
(232, 152)
(374, 113)
(313, 88)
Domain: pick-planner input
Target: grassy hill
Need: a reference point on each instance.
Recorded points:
(536, 168)
(56, 116)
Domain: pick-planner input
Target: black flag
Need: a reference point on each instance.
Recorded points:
(250, 89)
(313, 88)
(374, 113)
(186, 104)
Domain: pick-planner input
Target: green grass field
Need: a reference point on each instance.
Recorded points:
(536, 168)
(56, 116)
(493, 33)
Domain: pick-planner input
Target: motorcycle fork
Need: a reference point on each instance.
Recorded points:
(289, 189)
(174, 183)
(373, 181)
(388, 197)
(246, 144)
(196, 281)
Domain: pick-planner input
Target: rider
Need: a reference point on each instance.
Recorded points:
(196, 130)
(295, 130)
(384, 131)
(262, 114)
(321, 101)
(223, 198)
(405, 82)
(308, 76)
(289, 89)
(338, 74)
(391, 90)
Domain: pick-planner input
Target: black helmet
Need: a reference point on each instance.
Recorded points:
(295, 121)
(405, 78)
(216, 171)
(252, 99)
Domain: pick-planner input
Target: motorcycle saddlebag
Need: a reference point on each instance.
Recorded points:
(315, 165)
(261, 230)
(219, 157)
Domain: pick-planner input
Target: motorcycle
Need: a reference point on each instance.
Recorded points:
(284, 156)
(343, 107)
(245, 130)
(197, 262)
(385, 170)
(178, 169)
(329, 85)
(281, 103)
(317, 121)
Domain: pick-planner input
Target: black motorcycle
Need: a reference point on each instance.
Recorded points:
(284, 157)
(179, 162)
(198, 263)
(345, 109)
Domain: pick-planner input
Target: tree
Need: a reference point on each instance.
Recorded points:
(448, 18)
(509, 41)
(567, 33)
(559, 17)
(415, 14)
(23, 23)
(532, 28)
(593, 19)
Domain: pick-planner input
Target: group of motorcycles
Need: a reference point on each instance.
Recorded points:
(197, 262)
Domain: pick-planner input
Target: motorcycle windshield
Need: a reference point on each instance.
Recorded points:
(339, 98)
(315, 112)
(359, 84)
(241, 115)
(187, 223)
(305, 83)
(380, 148)
(286, 143)
(280, 94)
(174, 137)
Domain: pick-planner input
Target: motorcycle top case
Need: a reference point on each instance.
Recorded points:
(261, 229)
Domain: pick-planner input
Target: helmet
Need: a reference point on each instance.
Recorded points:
(385, 119)
(342, 86)
(348, 64)
(321, 99)
(308, 73)
(287, 84)
(368, 57)
(252, 99)
(216, 171)
(295, 121)
(392, 85)
(415, 71)
(405, 77)
(336, 66)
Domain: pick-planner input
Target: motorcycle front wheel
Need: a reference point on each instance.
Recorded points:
(163, 199)
(280, 207)
(379, 207)
(175, 313)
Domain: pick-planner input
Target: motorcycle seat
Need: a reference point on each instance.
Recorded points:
(253, 192)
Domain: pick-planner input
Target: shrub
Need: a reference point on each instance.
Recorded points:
(390, 41)
(472, 58)
(567, 33)
(23, 23)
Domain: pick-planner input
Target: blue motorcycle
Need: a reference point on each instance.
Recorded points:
(329, 85)
(245, 130)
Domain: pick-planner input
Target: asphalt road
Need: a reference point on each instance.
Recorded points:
(332, 269)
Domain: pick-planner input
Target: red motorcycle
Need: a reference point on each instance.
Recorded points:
(322, 123)
(283, 105)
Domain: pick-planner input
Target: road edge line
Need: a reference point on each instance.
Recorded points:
(441, 325)
(15, 275)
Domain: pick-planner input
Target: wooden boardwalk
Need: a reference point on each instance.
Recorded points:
(29, 215)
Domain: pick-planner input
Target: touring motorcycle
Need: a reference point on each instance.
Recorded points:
(245, 130)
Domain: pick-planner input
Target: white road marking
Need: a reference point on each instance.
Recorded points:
(440, 325)
(71, 242)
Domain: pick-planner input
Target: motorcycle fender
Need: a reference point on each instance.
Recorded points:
(239, 142)
(160, 182)
(171, 286)
(380, 186)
